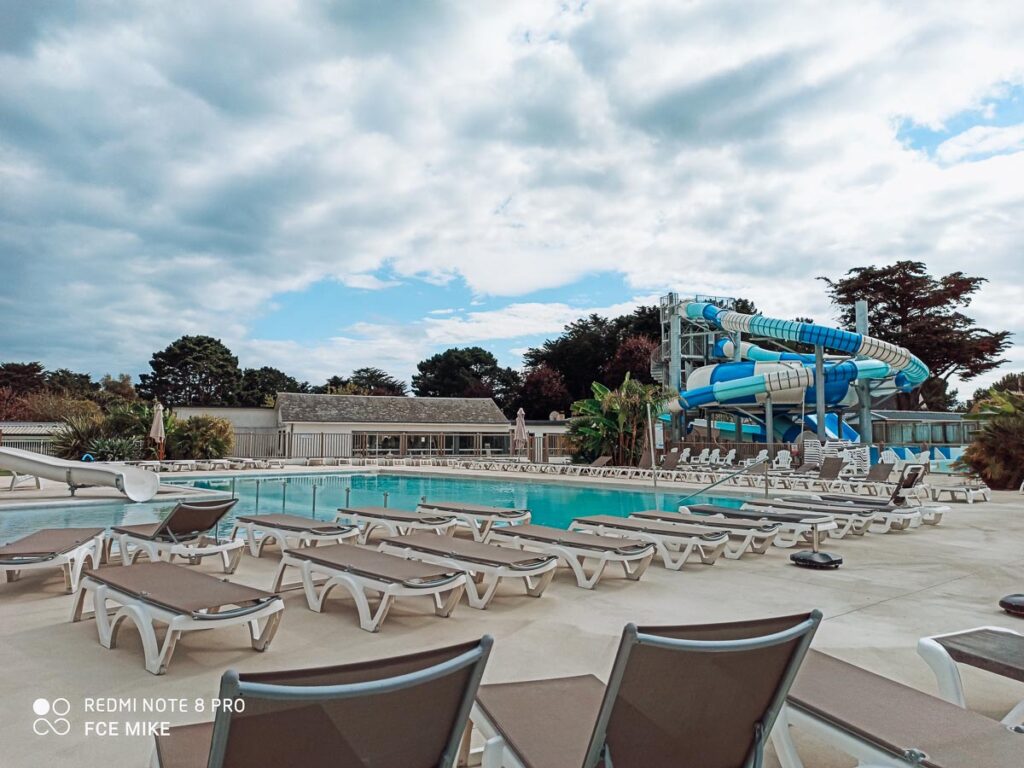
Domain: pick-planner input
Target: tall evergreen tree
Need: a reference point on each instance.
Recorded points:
(194, 370)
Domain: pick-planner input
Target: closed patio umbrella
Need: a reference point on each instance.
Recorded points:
(156, 431)
(519, 436)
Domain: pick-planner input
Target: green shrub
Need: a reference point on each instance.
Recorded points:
(997, 451)
(115, 448)
(201, 437)
(75, 436)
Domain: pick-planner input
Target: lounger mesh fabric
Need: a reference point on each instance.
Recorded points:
(51, 542)
(386, 513)
(698, 708)
(896, 717)
(176, 587)
(408, 728)
(474, 509)
(467, 550)
(369, 562)
(186, 520)
(293, 523)
(593, 541)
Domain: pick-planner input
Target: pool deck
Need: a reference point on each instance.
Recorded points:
(892, 590)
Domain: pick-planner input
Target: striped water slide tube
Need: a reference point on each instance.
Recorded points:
(883, 359)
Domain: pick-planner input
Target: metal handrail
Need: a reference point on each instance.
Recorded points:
(764, 462)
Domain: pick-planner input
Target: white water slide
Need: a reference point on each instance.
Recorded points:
(136, 484)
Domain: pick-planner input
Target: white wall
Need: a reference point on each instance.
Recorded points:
(243, 419)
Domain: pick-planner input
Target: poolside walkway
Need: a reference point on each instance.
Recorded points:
(892, 590)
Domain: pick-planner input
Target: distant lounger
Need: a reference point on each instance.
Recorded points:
(855, 519)
(881, 722)
(703, 695)
(284, 529)
(487, 562)
(189, 531)
(794, 527)
(479, 518)
(744, 536)
(405, 711)
(576, 550)
(68, 549)
(182, 599)
(366, 573)
(395, 522)
(675, 543)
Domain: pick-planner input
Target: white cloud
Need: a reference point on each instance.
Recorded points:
(166, 173)
(981, 141)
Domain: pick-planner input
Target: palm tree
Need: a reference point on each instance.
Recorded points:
(997, 452)
(614, 421)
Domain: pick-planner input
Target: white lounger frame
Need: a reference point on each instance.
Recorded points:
(367, 524)
(480, 593)
(673, 549)
(479, 524)
(633, 565)
(71, 563)
(791, 534)
(947, 673)
(193, 550)
(256, 535)
(741, 540)
(359, 586)
(145, 616)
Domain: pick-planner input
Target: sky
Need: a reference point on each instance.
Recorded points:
(329, 185)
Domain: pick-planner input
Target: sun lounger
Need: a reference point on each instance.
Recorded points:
(881, 722)
(744, 536)
(18, 479)
(969, 492)
(826, 478)
(794, 527)
(189, 531)
(575, 549)
(395, 522)
(875, 482)
(304, 531)
(674, 543)
(402, 711)
(855, 519)
(485, 564)
(993, 649)
(903, 497)
(64, 548)
(706, 695)
(365, 572)
(479, 518)
(183, 599)
(596, 467)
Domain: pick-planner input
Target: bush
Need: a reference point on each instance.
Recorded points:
(997, 452)
(115, 448)
(75, 436)
(201, 437)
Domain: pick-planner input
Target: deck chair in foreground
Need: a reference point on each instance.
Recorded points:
(704, 695)
(189, 531)
(408, 711)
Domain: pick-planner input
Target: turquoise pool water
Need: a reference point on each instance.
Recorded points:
(551, 503)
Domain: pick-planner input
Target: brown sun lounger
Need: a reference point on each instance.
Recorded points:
(794, 528)
(744, 535)
(65, 548)
(365, 572)
(487, 562)
(395, 522)
(189, 531)
(704, 695)
(882, 722)
(575, 549)
(283, 529)
(183, 599)
(405, 711)
(479, 518)
(856, 519)
(675, 543)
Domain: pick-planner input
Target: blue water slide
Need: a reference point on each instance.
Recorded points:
(789, 377)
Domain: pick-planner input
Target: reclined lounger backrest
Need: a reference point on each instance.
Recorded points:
(191, 518)
(703, 695)
(402, 711)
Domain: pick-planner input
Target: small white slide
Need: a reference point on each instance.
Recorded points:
(136, 484)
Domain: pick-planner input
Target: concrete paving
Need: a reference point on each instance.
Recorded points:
(892, 590)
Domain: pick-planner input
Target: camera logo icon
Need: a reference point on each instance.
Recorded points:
(51, 717)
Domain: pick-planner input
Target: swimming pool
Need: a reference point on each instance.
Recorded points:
(551, 503)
